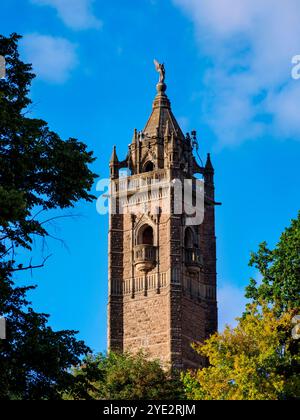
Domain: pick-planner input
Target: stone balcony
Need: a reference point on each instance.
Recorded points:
(145, 257)
(134, 183)
(193, 259)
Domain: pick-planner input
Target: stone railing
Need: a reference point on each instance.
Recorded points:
(198, 290)
(146, 282)
(145, 257)
(136, 182)
(193, 259)
(158, 281)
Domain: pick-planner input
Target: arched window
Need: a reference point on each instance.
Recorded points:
(145, 236)
(189, 238)
(149, 166)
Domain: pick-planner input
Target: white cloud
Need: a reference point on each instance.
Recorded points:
(231, 305)
(53, 58)
(77, 14)
(251, 44)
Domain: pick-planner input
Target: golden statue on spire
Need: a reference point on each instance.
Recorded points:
(160, 68)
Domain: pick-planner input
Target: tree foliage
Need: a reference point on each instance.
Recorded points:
(280, 270)
(124, 377)
(35, 361)
(253, 361)
(258, 359)
(38, 172)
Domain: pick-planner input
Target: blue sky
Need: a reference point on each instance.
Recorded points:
(229, 76)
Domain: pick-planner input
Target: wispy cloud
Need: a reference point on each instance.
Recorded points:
(250, 92)
(53, 58)
(76, 14)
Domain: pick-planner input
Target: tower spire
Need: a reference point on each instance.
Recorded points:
(162, 115)
(114, 164)
(208, 166)
(114, 158)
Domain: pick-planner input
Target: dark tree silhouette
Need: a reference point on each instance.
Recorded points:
(38, 172)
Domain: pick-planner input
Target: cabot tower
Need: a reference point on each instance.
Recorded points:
(162, 266)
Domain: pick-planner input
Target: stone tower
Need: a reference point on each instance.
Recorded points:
(162, 268)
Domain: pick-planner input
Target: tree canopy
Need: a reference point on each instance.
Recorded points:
(280, 270)
(259, 359)
(253, 361)
(39, 172)
(124, 377)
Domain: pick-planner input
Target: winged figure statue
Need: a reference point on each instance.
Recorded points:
(160, 68)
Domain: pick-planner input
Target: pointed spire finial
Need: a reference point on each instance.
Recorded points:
(114, 157)
(208, 165)
(135, 136)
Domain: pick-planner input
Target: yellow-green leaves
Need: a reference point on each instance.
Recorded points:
(254, 361)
